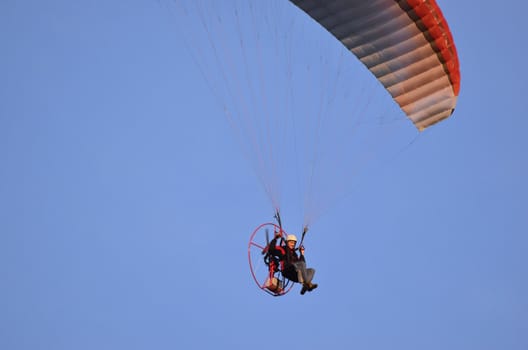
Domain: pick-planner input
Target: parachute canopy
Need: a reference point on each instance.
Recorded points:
(406, 44)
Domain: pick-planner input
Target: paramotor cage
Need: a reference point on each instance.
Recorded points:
(266, 268)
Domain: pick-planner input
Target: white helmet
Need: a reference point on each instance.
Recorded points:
(291, 238)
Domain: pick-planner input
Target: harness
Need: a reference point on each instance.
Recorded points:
(276, 281)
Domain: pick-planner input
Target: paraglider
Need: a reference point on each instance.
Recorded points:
(263, 85)
(406, 44)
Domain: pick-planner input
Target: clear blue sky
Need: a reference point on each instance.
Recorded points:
(126, 203)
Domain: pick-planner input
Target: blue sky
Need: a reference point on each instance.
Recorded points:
(127, 201)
